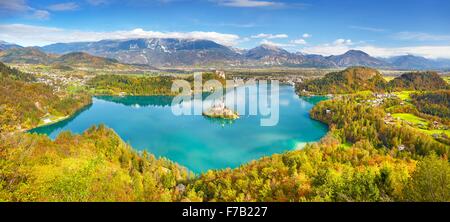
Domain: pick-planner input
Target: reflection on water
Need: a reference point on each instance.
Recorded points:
(313, 99)
(58, 126)
(139, 101)
(219, 121)
(197, 142)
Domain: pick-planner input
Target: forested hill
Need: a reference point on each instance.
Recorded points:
(142, 85)
(31, 55)
(347, 81)
(8, 72)
(418, 81)
(84, 59)
(94, 166)
(24, 103)
(356, 79)
(436, 103)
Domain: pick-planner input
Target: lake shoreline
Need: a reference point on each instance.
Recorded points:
(60, 118)
(196, 136)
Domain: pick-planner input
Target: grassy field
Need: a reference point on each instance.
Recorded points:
(432, 132)
(388, 78)
(404, 95)
(411, 118)
(447, 78)
(419, 123)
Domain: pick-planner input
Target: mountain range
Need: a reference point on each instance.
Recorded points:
(166, 52)
(6, 45)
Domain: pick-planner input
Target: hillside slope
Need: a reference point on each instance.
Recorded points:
(94, 166)
(29, 55)
(418, 81)
(346, 81)
(23, 103)
(33, 55)
(84, 60)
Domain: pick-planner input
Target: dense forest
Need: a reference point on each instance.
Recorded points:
(418, 81)
(134, 85)
(141, 85)
(347, 81)
(435, 103)
(355, 79)
(94, 166)
(7, 72)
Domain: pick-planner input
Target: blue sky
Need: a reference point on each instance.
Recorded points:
(381, 28)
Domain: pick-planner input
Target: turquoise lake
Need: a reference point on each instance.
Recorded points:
(195, 141)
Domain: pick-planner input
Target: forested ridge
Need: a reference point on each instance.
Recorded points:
(350, 80)
(435, 103)
(427, 80)
(354, 79)
(117, 84)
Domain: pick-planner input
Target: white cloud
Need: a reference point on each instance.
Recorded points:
(40, 14)
(365, 28)
(267, 42)
(245, 39)
(97, 2)
(420, 36)
(341, 46)
(341, 42)
(299, 42)
(68, 6)
(20, 7)
(249, 3)
(338, 46)
(30, 35)
(326, 49)
(431, 52)
(269, 36)
(14, 5)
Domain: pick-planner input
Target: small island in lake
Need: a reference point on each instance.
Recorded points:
(221, 111)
